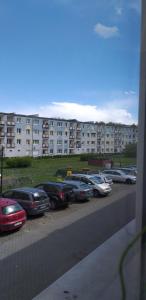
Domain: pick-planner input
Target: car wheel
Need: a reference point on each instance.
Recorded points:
(96, 193)
(128, 181)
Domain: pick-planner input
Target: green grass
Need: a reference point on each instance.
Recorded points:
(45, 169)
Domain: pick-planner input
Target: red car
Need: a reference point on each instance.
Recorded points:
(12, 215)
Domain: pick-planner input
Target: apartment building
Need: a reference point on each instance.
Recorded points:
(31, 135)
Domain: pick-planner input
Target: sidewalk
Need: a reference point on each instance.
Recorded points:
(96, 276)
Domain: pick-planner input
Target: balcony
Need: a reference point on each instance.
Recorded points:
(46, 136)
(78, 128)
(71, 136)
(45, 145)
(2, 134)
(10, 123)
(45, 125)
(71, 128)
(2, 123)
(71, 146)
(10, 145)
(11, 134)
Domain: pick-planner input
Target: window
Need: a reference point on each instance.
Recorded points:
(59, 124)
(51, 123)
(7, 210)
(27, 131)
(51, 142)
(51, 151)
(59, 151)
(51, 132)
(19, 130)
(27, 142)
(18, 120)
(20, 195)
(59, 142)
(36, 131)
(36, 122)
(59, 133)
(18, 141)
(65, 141)
(66, 133)
(28, 121)
(36, 142)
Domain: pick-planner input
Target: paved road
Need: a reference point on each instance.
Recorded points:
(27, 272)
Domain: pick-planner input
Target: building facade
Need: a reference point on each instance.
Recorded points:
(31, 135)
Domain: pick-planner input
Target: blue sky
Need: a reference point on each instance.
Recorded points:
(70, 58)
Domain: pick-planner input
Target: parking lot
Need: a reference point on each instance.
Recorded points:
(37, 228)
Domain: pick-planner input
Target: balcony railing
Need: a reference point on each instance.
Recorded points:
(2, 134)
(10, 145)
(12, 134)
(45, 125)
(45, 136)
(71, 137)
(2, 123)
(10, 123)
(45, 146)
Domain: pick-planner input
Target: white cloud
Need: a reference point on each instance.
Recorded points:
(119, 11)
(106, 31)
(72, 110)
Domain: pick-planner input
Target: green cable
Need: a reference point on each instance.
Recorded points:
(124, 254)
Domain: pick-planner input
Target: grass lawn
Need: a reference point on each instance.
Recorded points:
(45, 169)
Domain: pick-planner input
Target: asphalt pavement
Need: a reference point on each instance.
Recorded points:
(27, 272)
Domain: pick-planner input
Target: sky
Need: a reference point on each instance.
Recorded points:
(73, 59)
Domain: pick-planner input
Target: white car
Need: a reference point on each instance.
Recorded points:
(99, 186)
(119, 176)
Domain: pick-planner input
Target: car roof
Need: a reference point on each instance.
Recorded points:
(27, 189)
(6, 201)
(75, 182)
(82, 175)
(55, 183)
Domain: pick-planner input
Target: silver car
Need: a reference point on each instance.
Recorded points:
(82, 191)
(96, 182)
(119, 176)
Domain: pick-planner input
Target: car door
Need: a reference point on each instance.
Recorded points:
(117, 176)
(23, 198)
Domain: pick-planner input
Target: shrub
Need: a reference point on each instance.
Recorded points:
(18, 162)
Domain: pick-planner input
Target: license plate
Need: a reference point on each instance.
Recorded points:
(18, 223)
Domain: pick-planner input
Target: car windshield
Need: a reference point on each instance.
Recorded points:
(7, 210)
(97, 179)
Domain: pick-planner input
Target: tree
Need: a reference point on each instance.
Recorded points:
(130, 150)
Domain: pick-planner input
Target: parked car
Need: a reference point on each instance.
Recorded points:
(82, 191)
(33, 200)
(96, 182)
(128, 171)
(106, 179)
(119, 176)
(60, 193)
(12, 215)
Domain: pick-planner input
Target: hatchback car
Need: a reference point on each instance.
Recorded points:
(119, 176)
(12, 215)
(60, 193)
(82, 191)
(34, 201)
(96, 182)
